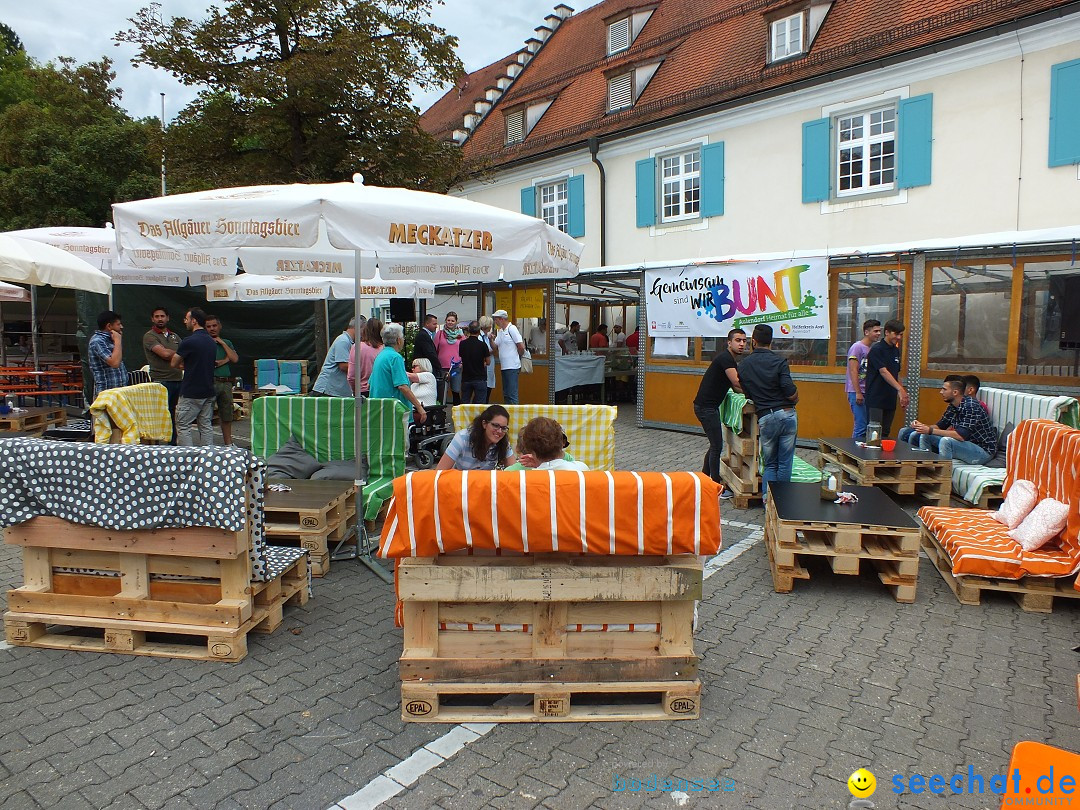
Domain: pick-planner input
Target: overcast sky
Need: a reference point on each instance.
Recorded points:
(486, 31)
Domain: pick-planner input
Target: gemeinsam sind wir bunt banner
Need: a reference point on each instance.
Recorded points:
(710, 300)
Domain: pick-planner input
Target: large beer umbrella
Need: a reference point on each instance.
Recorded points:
(252, 287)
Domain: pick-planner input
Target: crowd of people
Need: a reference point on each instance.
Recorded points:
(874, 392)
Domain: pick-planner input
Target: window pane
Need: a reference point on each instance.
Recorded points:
(969, 316)
(861, 296)
(1040, 326)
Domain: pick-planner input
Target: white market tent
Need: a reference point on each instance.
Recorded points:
(252, 287)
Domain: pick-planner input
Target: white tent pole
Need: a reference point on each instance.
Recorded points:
(3, 340)
(33, 325)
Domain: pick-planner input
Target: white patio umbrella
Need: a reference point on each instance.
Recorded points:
(97, 246)
(252, 287)
(12, 292)
(401, 233)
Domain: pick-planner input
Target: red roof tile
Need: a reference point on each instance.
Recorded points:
(713, 51)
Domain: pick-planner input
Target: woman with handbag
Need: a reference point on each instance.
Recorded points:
(447, 342)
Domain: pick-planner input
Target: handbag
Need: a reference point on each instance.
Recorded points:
(526, 362)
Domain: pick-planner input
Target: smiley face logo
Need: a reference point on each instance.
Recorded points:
(862, 783)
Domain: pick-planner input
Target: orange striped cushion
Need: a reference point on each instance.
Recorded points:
(440, 512)
(980, 546)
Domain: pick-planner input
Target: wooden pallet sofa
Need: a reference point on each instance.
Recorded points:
(589, 428)
(143, 550)
(974, 553)
(981, 485)
(550, 596)
(324, 427)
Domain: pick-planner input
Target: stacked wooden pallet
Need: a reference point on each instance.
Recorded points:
(739, 462)
(33, 421)
(929, 477)
(242, 400)
(1033, 594)
(893, 552)
(314, 515)
(549, 638)
(177, 593)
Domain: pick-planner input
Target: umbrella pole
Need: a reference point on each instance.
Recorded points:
(33, 325)
(365, 545)
(3, 340)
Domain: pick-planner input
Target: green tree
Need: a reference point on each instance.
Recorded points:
(9, 40)
(67, 150)
(303, 90)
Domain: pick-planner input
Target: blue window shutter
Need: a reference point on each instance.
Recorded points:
(575, 206)
(645, 172)
(528, 201)
(712, 180)
(816, 160)
(915, 140)
(1065, 113)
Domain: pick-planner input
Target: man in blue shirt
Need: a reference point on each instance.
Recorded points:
(105, 354)
(197, 355)
(388, 378)
(963, 433)
(333, 379)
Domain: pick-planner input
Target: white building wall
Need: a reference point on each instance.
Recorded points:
(990, 168)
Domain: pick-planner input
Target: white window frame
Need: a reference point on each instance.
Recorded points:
(520, 113)
(625, 22)
(871, 132)
(783, 28)
(555, 212)
(681, 177)
(630, 103)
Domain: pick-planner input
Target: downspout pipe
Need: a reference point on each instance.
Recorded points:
(594, 149)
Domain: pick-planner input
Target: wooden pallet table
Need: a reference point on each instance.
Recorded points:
(1033, 594)
(315, 515)
(32, 420)
(116, 591)
(902, 470)
(575, 637)
(799, 525)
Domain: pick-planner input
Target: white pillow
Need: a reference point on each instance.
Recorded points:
(1046, 521)
(1021, 499)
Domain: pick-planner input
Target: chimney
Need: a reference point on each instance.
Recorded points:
(563, 11)
(460, 135)
(543, 32)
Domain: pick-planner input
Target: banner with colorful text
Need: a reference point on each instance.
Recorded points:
(792, 296)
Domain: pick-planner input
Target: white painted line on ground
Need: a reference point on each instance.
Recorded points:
(395, 779)
(5, 646)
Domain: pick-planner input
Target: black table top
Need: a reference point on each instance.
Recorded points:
(902, 452)
(802, 502)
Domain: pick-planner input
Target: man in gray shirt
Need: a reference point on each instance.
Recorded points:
(159, 346)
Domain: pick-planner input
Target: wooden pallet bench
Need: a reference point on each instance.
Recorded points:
(143, 609)
(929, 476)
(314, 515)
(739, 460)
(33, 420)
(548, 626)
(546, 702)
(892, 552)
(1033, 594)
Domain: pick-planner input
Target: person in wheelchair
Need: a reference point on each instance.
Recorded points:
(422, 382)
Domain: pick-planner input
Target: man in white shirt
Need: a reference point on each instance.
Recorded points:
(618, 340)
(538, 337)
(510, 347)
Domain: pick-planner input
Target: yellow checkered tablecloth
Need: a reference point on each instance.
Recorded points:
(590, 428)
(139, 411)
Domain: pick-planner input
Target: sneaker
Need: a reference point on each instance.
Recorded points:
(726, 494)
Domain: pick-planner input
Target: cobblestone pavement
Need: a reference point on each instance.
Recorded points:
(799, 691)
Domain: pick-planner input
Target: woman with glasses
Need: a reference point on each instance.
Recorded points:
(482, 446)
(422, 382)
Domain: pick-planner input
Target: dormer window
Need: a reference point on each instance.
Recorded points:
(786, 37)
(620, 92)
(618, 36)
(515, 126)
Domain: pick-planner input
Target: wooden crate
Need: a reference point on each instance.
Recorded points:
(929, 478)
(892, 552)
(33, 420)
(218, 604)
(1033, 594)
(319, 545)
(315, 515)
(534, 625)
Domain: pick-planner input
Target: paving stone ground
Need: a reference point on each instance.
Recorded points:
(800, 690)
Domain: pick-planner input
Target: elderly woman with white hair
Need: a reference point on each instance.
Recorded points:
(423, 382)
(488, 339)
(389, 379)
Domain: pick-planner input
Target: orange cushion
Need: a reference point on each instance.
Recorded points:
(979, 546)
(622, 513)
